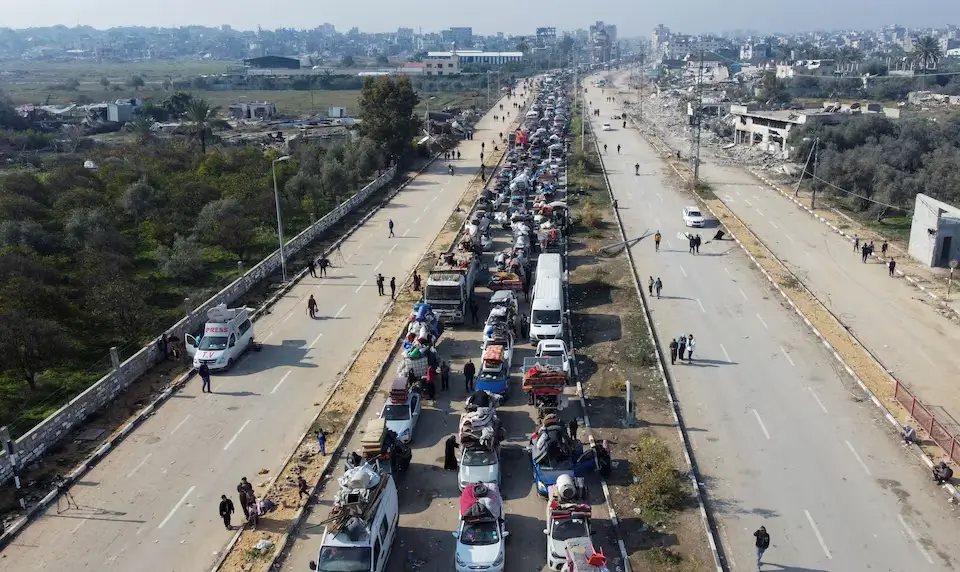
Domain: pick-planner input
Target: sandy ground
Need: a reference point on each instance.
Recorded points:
(347, 399)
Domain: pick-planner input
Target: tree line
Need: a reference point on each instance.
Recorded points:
(881, 164)
(103, 255)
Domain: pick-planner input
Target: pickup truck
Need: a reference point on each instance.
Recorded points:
(554, 349)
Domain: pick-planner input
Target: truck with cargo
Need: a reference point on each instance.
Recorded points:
(450, 284)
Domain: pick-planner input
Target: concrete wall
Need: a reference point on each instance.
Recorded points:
(933, 221)
(34, 443)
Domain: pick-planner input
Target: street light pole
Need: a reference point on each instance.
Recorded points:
(276, 196)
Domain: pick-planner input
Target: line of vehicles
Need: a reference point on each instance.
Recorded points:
(363, 521)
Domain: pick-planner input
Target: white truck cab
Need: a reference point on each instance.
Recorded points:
(568, 518)
(363, 523)
(554, 349)
(226, 335)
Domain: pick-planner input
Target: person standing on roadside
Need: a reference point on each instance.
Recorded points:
(312, 266)
(681, 346)
(324, 262)
(892, 265)
(469, 371)
(204, 372)
(692, 242)
(245, 491)
(690, 343)
(322, 442)
(656, 241)
(696, 244)
(658, 286)
(380, 284)
(444, 375)
(650, 285)
(390, 226)
(856, 242)
(393, 286)
(572, 428)
(884, 247)
(673, 351)
(226, 511)
(762, 543)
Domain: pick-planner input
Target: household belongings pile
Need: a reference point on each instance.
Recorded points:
(480, 427)
(481, 502)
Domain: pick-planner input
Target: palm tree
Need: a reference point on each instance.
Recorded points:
(926, 52)
(201, 116)
(142, 129)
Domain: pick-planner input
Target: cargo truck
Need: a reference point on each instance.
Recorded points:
(450, 285)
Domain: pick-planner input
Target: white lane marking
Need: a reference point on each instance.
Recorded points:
(435, 197)
(142, 463)
(81, 523)
(266, 338)
(725, 354)
(416, 220)
(857, 457)
(759, 212)
(699, 303)
(659, 196)
(406, 232)
(682, 271)
(426, 208)
(774, 225)
(786, 355)
(816, 531)
(314, 342)
(668, 243)
(340, 311)
(287, 317)
(394, 247)
(742, 294)
(916, 540)
(237, 434)
(738, 193)
(179, 425)
(749, 204)
(762, 426)
(790, 238)
(360, 286)
(279, 383)
(182, 500)
(377, 267)
(349, 257)
(727, 270)
(762, 322)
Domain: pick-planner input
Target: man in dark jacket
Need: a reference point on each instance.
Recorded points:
(763, 542)
(245, 491)
(469, 371)
(226, 511)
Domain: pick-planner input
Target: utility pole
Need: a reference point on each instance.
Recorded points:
(695, 154)
(640, 88)
(813, 187)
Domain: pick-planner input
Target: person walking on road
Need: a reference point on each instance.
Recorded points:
(322, 442)
(204, 372)
(650, 285)
(656, 241)
(618, 149)
(658, 286)
(245, 491)
(324, 262)
(864, 253)
(390, 226)
(380, 284)
(884, 247)
(696, 244)
(763, 542)
(572, 428)
(450, 447)
(604, 147)
(226, 511)
(892, 265)
(469, 371)
(312, 266)
(393, 287)
(693, 242)
(444, 375)
(856, 242)
(312, 307)
(690, 343)
(524, 326)
(416, 282)
(673, 352)
(681, 346)
(458, 154)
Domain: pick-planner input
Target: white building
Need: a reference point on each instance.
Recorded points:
(935, 232)
(450, 63)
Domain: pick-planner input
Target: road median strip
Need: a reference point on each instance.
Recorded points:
(340, 411)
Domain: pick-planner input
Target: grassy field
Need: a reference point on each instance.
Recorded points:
(43, 83)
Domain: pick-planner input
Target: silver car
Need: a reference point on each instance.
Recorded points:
(479, 466)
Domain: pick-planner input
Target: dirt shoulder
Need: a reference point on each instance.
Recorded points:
(357, 385)
(659, 519)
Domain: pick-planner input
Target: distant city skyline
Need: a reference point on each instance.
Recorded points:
(494, 16)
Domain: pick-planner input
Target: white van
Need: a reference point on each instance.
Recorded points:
(360, 538)
(226, 335)
(547, 309)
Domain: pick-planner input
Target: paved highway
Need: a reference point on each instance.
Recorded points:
(890, 316)
(429, 505)
(781, 439)
(152, 503)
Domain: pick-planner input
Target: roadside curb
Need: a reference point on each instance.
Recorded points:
(917, 451)
(280, 549)
(711, 530)
(941, 302)
(93, 460)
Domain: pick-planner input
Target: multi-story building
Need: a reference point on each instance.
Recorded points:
(461, 37)
(546, 37)
(603, 37)
(660, 35)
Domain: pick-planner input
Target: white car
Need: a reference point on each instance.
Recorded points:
(607, 127)
(692, 216)
(558, 532)
(401, 418)
(480, 546)
(479, 466)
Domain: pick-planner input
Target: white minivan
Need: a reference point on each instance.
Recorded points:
(546, 311)
(226, 335)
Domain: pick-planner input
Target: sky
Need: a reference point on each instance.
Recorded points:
(632, 18)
